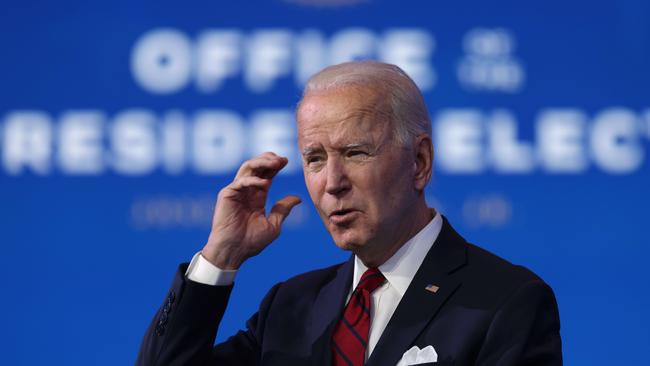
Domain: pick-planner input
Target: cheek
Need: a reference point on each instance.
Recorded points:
(315, 187)
(386, 189)
(370, 191)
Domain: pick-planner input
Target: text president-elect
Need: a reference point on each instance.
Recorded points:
(414, 291)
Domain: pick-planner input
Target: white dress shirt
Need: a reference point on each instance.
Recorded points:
(202, 271)
(399, 270)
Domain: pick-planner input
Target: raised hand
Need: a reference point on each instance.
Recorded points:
(240, 227)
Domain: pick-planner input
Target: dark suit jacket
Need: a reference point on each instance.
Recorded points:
(486, 312)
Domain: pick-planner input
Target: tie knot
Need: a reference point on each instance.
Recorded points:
(370, 280)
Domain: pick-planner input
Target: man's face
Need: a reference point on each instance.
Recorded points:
(359, 178)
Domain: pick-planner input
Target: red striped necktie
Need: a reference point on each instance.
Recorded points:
(350, 338)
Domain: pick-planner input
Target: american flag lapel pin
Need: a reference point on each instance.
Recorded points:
(432, 288)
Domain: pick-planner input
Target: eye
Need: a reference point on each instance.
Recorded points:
(313, 159)
(357, 154)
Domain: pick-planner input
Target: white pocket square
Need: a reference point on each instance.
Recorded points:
(416, 356)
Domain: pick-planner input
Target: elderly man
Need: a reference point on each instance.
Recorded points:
(414, 291)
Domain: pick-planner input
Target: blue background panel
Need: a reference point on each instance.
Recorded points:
(98, 205)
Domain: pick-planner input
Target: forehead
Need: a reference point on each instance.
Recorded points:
(341, 114)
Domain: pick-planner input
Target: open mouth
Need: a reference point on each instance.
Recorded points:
(341, 212)
(342, 216)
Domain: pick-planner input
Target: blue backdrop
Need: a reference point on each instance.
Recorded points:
(121, 120)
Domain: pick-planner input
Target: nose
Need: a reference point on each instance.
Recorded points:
(338, 182)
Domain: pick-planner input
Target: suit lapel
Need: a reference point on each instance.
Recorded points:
(326, 311)
(418, 306)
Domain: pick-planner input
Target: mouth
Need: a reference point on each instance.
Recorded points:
(342, 216)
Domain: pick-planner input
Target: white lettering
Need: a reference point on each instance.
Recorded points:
(411, 49)
(311, 55)
(134, 142)
(489, 62)
(173, 146)
(218, 141)
(614, 141)
(275, 130)
(508, 154)
(218, 57)
(458, 135)
(269, 57)
(161, 61)
(467, 141)
(27, 142)
(561, 140)
(80, 145)
(164, 61)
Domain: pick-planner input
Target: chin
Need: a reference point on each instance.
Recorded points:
(350, 247)
(348, 241)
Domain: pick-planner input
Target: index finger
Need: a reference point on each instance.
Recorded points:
(264, 166)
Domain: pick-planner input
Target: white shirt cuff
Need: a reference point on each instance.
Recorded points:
(202, 271)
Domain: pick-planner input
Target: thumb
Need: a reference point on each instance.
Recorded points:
(281, 209)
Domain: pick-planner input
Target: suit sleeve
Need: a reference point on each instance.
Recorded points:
(184, 329)
(525, 329)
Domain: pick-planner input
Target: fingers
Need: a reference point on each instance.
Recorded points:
(250, 182)
(266, 165)
(281, 210)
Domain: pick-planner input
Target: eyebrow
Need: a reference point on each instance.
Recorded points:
(311, 150)
(354, 146)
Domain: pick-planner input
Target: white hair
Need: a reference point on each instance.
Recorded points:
(408, 111)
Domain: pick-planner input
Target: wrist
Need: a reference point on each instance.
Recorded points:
(222, 257)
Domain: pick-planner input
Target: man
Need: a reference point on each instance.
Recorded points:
(413, 291)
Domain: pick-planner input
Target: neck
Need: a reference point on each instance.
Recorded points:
(376, 255)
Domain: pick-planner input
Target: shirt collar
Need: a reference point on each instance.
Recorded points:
(400, 269)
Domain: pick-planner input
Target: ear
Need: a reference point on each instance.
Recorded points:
(423, 150)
